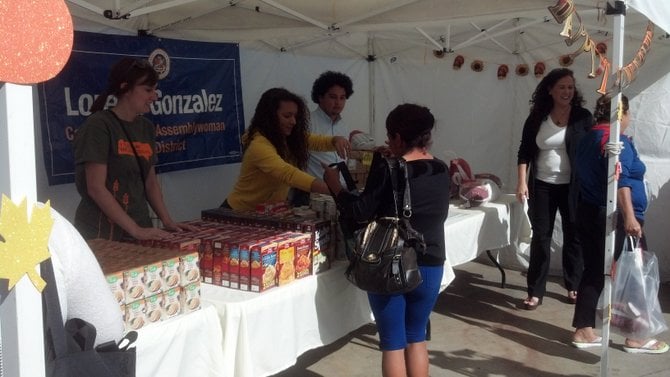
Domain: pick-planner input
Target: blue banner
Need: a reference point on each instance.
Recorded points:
(198, 116)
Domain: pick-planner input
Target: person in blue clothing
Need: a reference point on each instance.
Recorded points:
(592, 160)
(402, 318)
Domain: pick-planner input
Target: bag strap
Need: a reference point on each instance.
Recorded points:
(394, 165)
(54, 330)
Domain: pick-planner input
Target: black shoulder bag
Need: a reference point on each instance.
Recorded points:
(385, 251)
(68, 348)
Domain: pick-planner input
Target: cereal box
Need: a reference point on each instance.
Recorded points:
(285, 257)
(303, 255)
(263, 266)
(207, 259)
(244, 272)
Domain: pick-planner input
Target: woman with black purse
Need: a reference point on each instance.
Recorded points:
(402, 318)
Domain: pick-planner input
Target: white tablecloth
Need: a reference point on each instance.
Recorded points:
(470, 231)
(265, 333)
(245, 334)
(188, 345)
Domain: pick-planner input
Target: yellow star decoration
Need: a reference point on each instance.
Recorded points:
(25, 242)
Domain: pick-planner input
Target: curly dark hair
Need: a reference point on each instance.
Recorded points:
(292, 148)
(413, 123)
(603, 108)
(329, 79)
(542, 102)
(127, 70)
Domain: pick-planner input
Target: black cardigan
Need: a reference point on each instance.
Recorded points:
(429, 185)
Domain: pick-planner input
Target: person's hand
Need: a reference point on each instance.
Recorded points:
(150, 234)
(384, 150)
(342, 146)
(632, 227)
(179, 227)
(522, 192)
(331, 176)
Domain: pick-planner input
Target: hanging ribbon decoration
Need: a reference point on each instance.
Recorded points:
(564, 11)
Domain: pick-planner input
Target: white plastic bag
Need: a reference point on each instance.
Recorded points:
(636, 311)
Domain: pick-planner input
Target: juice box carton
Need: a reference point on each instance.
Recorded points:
(136, 314)
(155, 310)
(153, 278)
(115, 282)
(171, 275)
(188, 267)
(190, 297)
(263, 266)
(133, 283)
(172, 302)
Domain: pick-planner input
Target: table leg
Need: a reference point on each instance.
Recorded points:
(502, 271)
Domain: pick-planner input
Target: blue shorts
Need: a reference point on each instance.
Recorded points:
(402, 319)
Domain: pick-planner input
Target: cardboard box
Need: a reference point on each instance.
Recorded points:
(155, 308)
(189, 268)
(136, 315)
(190, 297)
(171, 274)
(303, 255)
(263, 266)
(172, 302)
(285, 259)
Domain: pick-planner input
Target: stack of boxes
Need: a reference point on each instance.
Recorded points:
(150, 284)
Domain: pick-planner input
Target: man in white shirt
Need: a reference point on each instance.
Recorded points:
(330, 91)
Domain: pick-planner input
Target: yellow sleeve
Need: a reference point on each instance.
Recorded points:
(320, 143)
(264, 156)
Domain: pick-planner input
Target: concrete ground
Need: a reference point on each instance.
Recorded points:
(480, 330)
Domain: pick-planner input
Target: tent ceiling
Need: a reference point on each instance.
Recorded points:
(521, 30)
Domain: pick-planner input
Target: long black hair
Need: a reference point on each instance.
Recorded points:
(292, 148)
(127, 70)
(542, 102)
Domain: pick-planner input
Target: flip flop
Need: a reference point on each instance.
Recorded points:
(652, 346)
(597, 342)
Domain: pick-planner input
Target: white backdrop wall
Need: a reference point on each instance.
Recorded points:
(478, 117)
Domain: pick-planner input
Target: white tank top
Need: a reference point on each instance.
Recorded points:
(552, 162)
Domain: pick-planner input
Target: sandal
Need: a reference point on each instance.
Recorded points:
(572, 297)
(651, 346)
(531, 303)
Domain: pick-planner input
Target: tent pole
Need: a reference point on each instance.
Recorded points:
(613, 159)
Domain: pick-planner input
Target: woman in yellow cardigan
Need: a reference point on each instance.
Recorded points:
(276, 149)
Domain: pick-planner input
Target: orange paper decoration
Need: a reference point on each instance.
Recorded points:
(36, 40)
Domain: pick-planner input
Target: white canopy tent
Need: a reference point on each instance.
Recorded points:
(403, 51)
(395, 51)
